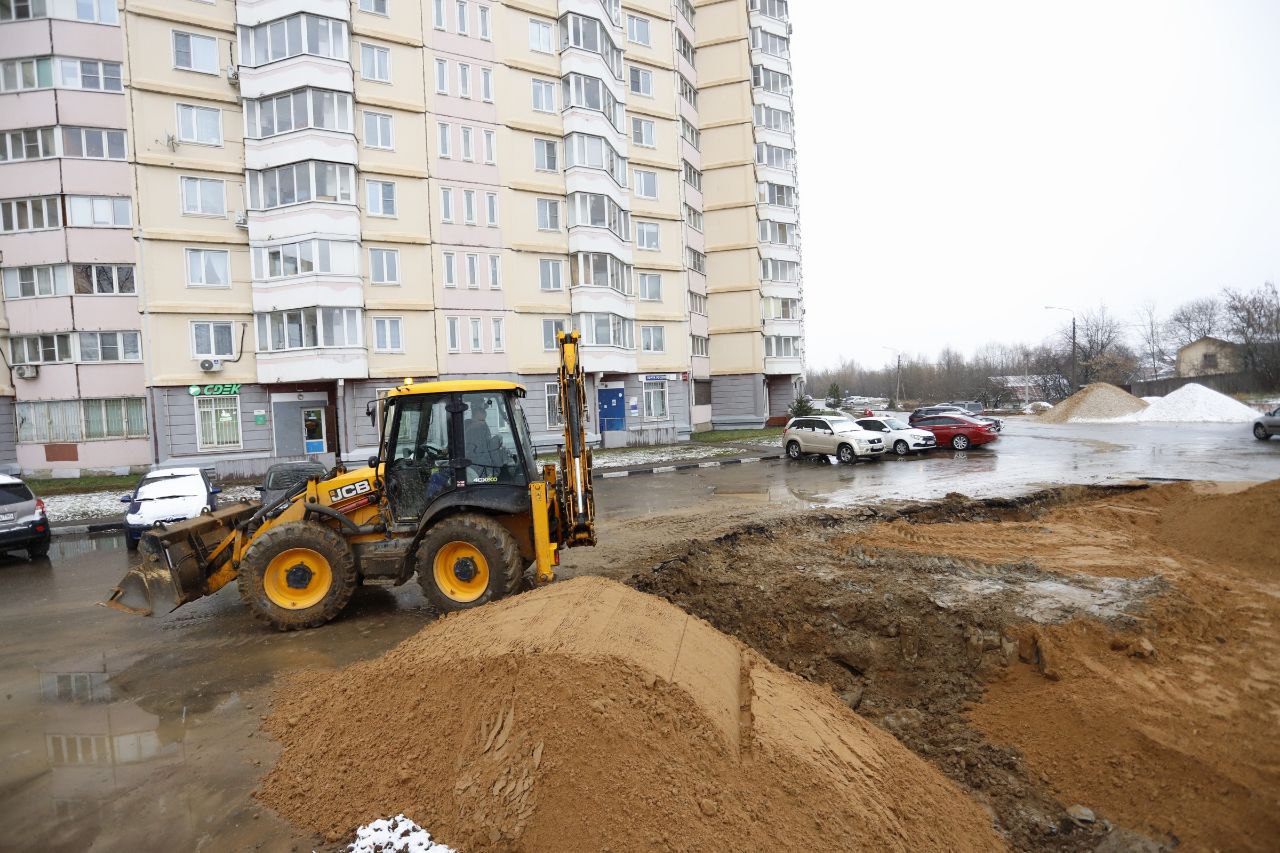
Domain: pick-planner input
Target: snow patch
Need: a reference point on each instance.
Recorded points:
(395, 835)
(1194, 403)
(107, 504)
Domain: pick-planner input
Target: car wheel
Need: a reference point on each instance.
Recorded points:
(38, 552)
(960, 442)
(901, 448)
(793, 449)
(1260, 432)
(845, 454)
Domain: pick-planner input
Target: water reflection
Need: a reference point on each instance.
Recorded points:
(65, 547)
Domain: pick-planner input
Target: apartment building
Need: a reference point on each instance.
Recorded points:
(74, 394)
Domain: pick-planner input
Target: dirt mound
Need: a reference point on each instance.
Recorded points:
(588, 716)
(1098, 401)
(1241, 528)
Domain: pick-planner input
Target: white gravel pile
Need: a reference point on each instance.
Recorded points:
(1194, 403)
(397, 835)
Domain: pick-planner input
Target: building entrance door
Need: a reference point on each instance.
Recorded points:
(611, 404)
(314, 430)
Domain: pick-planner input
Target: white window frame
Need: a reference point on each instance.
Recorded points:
(384, 125)
(655, 386)
(380, 66)
(543, 162)
(442, 76)
(553, 325)
(446, 204)
(453, 334)
(645, 288)
(214, 405)
(192, 40)
(475, 335)
(116, 206)
(638, 135)
(491, 209)
(383, 326)
(498, 334)
(495, 272)
(194, 111)
(463, 18)
(550, 275)
(195, 349)
(541, 37)
(653, 339)
(551, 394)
(438, 15)
(466, 145)
(201, 252)
(485, 27)
(646, 228)
(637, 182)
(371, 6)
(548, 214)
(201, 185)
(543, 87)
(449, 271)
(464, 80)
(486, 85)
(643, 77)
(490, 147)
(471, 268)
(378, 266)
(376, 198)
(636, 25)
(444, 139)
(469, 208)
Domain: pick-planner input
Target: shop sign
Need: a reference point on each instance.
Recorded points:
(661, 377)
(213, 390)
(260, 417)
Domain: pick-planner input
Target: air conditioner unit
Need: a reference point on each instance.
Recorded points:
(27, 371)
(233, 75)
(242, 220)
(211, 365)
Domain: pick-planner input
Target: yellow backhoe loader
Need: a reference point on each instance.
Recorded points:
(455, 494)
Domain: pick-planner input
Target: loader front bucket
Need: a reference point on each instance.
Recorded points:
(180, 563)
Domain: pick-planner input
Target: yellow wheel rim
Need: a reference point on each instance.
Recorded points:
(461, 571)
(297, 579)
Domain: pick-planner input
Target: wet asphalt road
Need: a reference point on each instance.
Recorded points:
(122, 733)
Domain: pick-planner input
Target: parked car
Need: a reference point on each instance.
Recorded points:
(930, 411)
(959, 431)
(283, 476)
(899, 437)
(169, 494)
(973, 407)
(1267, 425)
(830, 435)
(24, 525)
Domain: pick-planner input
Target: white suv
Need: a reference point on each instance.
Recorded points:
(830, 435)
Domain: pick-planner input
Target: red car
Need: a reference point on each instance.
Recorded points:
(959, 431)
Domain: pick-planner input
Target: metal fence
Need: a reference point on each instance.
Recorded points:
(1226, 383)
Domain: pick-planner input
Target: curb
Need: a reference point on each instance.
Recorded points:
(606, 474)
(81, 529)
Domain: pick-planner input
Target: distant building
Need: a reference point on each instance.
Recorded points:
(1207, 356)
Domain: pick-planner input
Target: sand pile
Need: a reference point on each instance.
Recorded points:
(1194, 403)
(1098, 401)
(589, 716)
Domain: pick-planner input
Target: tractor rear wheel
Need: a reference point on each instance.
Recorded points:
(299, 574)
(467, 560)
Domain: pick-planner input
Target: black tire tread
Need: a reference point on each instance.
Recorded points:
(298, 534)
(506, 567)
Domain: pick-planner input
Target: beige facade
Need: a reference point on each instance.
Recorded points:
(1208, 356)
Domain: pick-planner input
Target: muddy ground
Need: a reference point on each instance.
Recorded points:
(913, 615)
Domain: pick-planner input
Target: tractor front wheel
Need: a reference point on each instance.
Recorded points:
(467, 560)
(299, 574)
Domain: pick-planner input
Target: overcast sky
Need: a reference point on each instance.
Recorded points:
(964, 164)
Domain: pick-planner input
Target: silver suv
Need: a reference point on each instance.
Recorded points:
(1267, 425)
(23, 522)
(830, 435)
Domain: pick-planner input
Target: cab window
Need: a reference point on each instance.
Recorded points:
(489, 445)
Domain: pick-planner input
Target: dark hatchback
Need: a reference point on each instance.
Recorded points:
(24, 525)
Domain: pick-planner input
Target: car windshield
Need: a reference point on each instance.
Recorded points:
(178, 486)
(839, 424)
(13, 493)
(894, 423)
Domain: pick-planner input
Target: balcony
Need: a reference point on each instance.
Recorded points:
(312, 364)
(250, 13)
(296, 72)
(309, 143)
(336, 220)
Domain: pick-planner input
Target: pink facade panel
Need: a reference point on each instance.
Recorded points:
(104, 454)
(112, 380)
(106, 312)
(55, 382)
(96, 177)
(91, 109)
(474, 363)
(90, 41)
(26, 38)
(28, 109)
(454, 237)
(35, 247)
(108, 245)
(468, 299)
(43, 314)
(24, 178)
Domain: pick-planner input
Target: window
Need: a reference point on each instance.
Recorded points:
(375, 63)
(686, 9)
(462, 19)
(486, 85)
(774, 155)
(551, 390)
(599, 211)
(311, 180)
(779, 233)
(308, 328)
(655, 400)
(18, 75)
(386, 335)
(607, 330)
(646, 183)
(647, 236)
(684, 47)
(549, 274)
(99, 211)
(776, 346)
(689, 133)
(779, 194)
(642, 132)
(446, 204)
(544, 155)
(468, 207)
(29, 282)
(195, 52)
(203, 197)
(451, 334)
(495, 272)
(384, 266)
(695, 260)
(30, 214)
(600, 269)
(591, 93)
(381, 197)
(649, 285)
(544, 96)
(692, 176)
(444, 137)
(218, 422)
(653, 339)
(775, 308)
(87, 74)
(208, 268)
(464, 80)
(770, 80)
(776, 9)
(93, 143)
(295, 110)
(697, 303)
(377, 7)
(291, 36)
(486, 27)
(465, 135)
(694, 217)
(437, 14)
(701, 346)
(78, 420)
(38, 143)
(641, 81)
(491, 208)
(551, 328)
(202, 125)
(473, 271)
(592, 35)
(770, 43)
(114, 418)
(593, 152)
(539, 36)
(442, 76)
(772, 119)
(40, 349)
(499, 340)
(490, 147)
(474, 325)
(775, 270)
(548, 214)
(110, 346)
(304, 258)
(212, 340)
(638, 30)
(377, 130)
(687, 90)
(98, 279)
(450, 274)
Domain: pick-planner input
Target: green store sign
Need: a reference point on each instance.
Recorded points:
(213, 390)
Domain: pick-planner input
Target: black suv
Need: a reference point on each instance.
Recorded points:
(23, 522)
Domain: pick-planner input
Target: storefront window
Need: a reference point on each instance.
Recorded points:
(655, 401)
(218, 422)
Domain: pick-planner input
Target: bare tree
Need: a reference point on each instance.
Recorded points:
(1194, 320)
(1252, 319)
(1102, 353)
(1153, 338)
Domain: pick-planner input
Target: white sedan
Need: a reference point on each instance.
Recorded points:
(899, 436)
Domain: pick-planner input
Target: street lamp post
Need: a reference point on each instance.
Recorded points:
(1073, 341)
(897, 381)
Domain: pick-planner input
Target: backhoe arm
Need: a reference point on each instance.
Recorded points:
(578, 512)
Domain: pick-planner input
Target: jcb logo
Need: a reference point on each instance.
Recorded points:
(350, 490)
